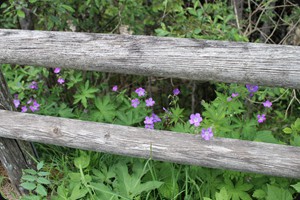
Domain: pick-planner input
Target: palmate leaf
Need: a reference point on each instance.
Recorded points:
(107, 110)
(84, 93)
(278, 193)
(239, 190)
(129, 184)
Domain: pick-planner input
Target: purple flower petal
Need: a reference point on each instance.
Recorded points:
(150, 102)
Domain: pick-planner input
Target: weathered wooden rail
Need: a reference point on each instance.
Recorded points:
(272, 159)
(270, 65)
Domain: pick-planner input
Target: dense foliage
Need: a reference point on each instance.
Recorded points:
(247, 112)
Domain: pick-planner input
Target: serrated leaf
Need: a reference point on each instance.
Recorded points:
(278, 193)
(43, 181)
(296, 186)
(28, 186)
(106, 108)
(222, 195)
(29, 178)
(78, 193)
(20, 13)
(259, 194)
(41, 190)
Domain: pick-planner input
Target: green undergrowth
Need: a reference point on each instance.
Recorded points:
(246, 112)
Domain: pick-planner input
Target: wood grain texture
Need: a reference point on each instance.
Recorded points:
(272, 159)
(220, 61)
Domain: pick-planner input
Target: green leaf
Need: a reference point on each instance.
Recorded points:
(30, 171)
(259, 194)
(75, 177)
(84, 93)
(106, 108)
(68, 8)
(29, 178)
(41, 190)
(40, 165)
(43, 181)
(83, 161)
(32, 1)
(297, 187)
(266, 136)
(20, 13)
(278, 193)
(43, 173)
(28, 186)
(222, 195)
(287, 130)
(78, 193)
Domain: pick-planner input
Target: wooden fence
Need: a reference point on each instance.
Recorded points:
(269, 65)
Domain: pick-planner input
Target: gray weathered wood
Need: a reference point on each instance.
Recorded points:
(271, 65)
(15, 155)
(272, 159)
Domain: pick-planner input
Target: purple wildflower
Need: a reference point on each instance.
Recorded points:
(150, 102)
(229, 99)
(24, 109)
(267, 104)
(176, 91)
(261, 118)
(148, 120)
(29, 101)
(135, 102)
(34, 85)
(35, 106)
(56, 70)
(60, 80)
(140, 91)
(195, 119)
(114, 88)
(207, 134)
(235, 94)
(17, 103)
(149, 126)
(155, 118)
(252, 88)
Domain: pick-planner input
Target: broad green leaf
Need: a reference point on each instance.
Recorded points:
(287, 130)
(43, 181)
(41, 190)
(104, 191)
(259, 194)
(278, 193)
(266, 136)
(29, 178)
(83, 161)
(75, 177)
(28, 186)
(222, 195)
(20, 13)
(78, 192)
(106, 108)
(296, 187)
(32, 1)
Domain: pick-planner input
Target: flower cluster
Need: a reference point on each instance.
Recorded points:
(60, 80)
(196, 119)
(32, 103)
(150, 121)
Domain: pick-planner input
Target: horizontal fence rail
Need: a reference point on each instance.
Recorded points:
(261, 64)
(271, 159)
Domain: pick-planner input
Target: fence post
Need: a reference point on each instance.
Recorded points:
(14, 154)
